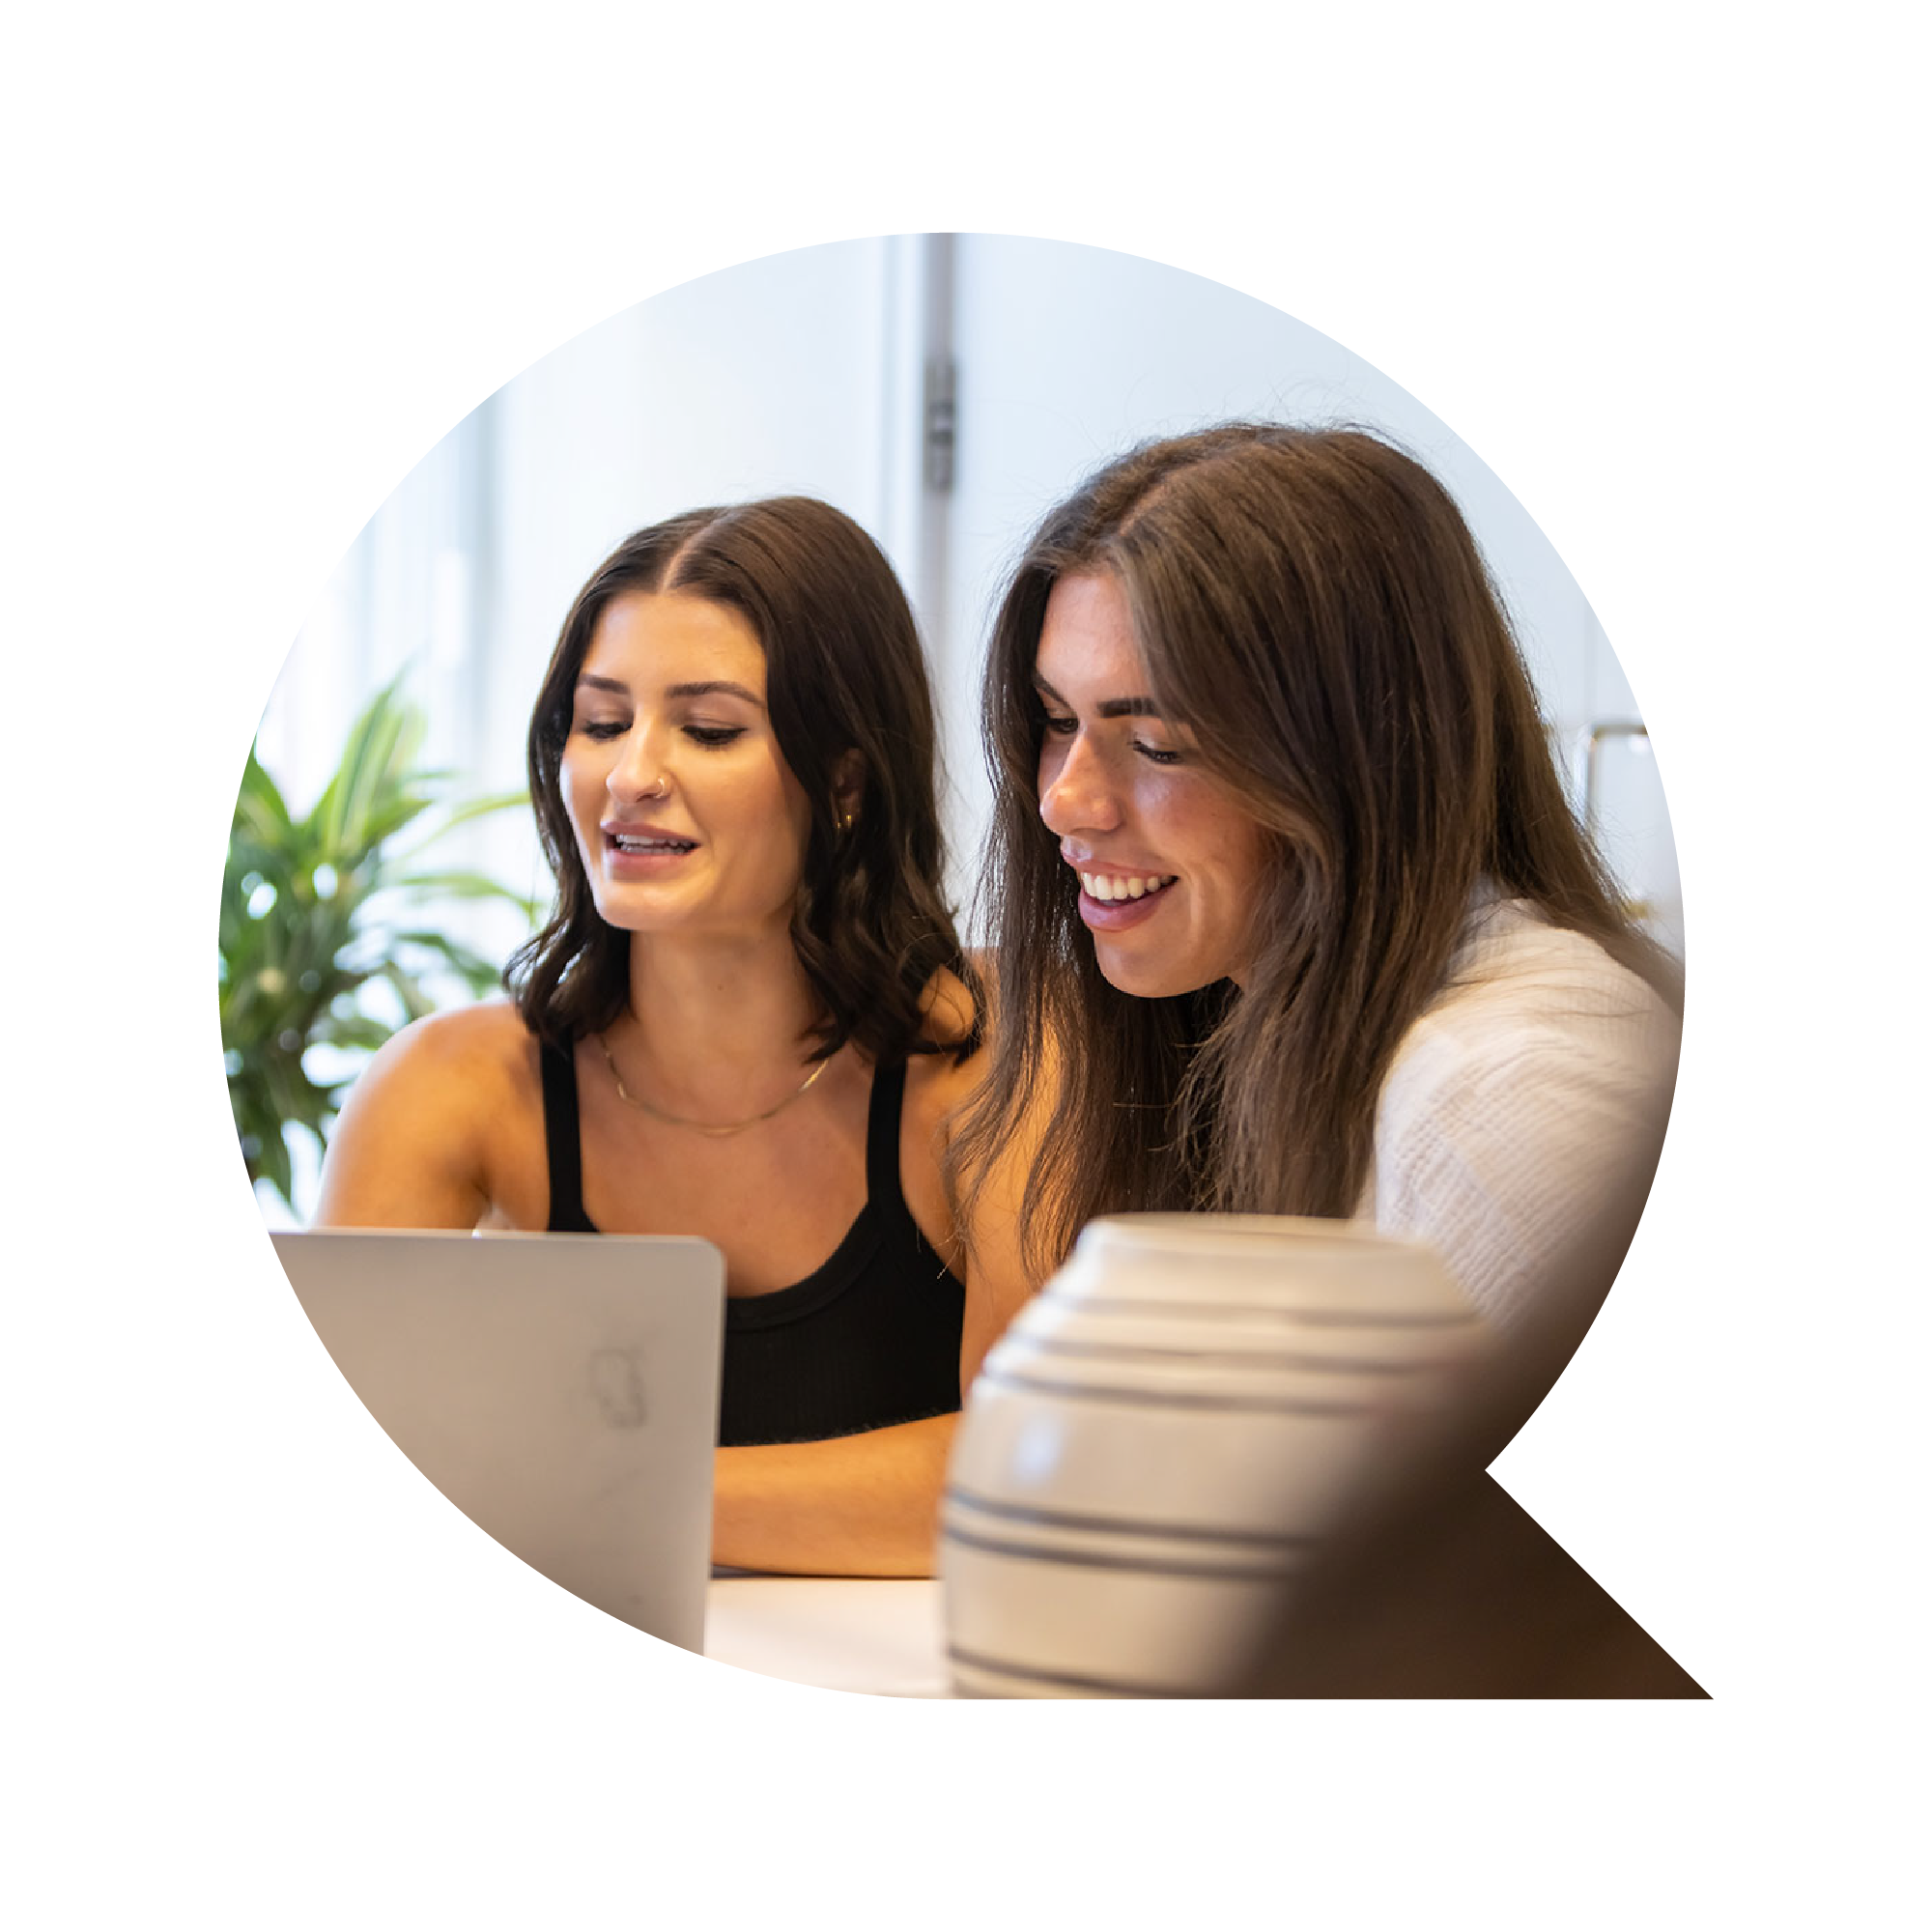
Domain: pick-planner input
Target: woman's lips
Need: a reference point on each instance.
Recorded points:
(641, 854)
(1116, 915)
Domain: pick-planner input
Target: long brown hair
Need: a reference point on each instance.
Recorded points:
(1311, 608)
(844, 674)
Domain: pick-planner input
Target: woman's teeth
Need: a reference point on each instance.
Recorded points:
(628, 844)
(1104, 888)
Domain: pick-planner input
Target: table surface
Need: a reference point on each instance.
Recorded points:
(876, 1634)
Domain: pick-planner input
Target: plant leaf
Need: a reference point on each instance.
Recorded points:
(314, 963)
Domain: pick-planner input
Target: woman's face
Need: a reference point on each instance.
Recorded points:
(1170, 866)
(687, 818)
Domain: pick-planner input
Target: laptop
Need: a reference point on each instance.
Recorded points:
(562, 1390)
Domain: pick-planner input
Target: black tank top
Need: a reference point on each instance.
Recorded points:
(869, 1339)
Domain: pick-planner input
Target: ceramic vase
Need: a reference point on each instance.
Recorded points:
(1156, 1447)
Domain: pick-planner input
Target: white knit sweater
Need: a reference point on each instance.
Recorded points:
(1539, 1071)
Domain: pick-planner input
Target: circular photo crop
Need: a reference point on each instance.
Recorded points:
(854, 772)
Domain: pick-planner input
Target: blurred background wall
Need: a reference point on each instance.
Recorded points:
(943, 390)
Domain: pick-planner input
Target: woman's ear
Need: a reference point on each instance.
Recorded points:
(848, 789)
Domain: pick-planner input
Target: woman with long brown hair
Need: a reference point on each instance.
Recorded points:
(748, 1018)
(1292, 913)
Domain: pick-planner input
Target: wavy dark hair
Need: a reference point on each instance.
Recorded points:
(1309, 604)
(844, 674)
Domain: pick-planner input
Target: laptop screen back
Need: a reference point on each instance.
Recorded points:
(562, 1390)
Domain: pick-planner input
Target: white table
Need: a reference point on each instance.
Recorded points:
(876, 1634)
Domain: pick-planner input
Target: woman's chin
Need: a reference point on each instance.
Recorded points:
(1143, 974)
(1139, 978)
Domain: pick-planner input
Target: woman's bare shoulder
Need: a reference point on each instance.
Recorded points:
(489, 1027)
(950, 1006)
(491, 1032)
(440, 1125)
(937, 1082)
(483, 1047)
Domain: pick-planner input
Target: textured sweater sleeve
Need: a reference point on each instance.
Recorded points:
(1538, 1083)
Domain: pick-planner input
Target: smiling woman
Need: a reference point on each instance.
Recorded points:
(1146, 830)
(748, 1018)
(1287, 885)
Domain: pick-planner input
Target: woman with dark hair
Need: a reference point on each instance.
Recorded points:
(1294, 916)
(748, 1018)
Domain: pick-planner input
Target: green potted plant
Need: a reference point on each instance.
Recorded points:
(317, 913)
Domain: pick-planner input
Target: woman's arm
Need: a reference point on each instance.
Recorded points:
(998, 1281)
(412, 1147)
(1512, 1110)
(983, 1208)
(863, 1505)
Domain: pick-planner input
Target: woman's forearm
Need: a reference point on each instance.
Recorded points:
(861, 1505)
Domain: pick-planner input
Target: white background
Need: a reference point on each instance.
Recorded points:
(1659, 266)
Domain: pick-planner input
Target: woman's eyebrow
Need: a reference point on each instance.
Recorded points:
(697, 688)
(1108, 707)
(714, 686)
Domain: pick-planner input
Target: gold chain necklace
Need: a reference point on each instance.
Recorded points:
(625, 1094)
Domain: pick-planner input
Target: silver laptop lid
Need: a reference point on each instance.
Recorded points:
(562, 1390)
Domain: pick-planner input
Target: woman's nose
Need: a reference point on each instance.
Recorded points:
(638, 771)
(1079, 794)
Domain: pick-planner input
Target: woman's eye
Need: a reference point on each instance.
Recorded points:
(1061, 727)
(1156, 754)
(603, 728)
(714, 734)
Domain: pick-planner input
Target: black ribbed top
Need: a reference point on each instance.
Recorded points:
(871, 1338)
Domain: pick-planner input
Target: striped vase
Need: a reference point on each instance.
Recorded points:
(1155, 1445)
